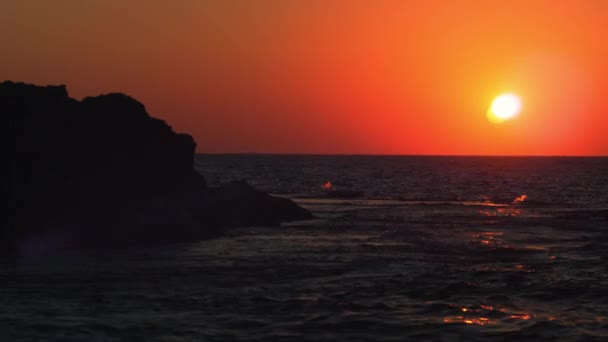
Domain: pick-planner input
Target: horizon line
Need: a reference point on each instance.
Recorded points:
(403, 155)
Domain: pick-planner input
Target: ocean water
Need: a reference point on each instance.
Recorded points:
(435, 249)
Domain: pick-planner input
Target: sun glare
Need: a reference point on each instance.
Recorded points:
(504, 107)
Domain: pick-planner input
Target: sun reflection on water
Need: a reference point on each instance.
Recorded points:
(462, 319)
(500, 212)
(524, 317)
(487, 238)
(492, 209)
(486, 315)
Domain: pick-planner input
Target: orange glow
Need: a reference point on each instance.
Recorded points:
(487, 238)
(501, 212)
(335, 76)
(477, 316)
(520, 199)
(472, 320)
(327, 186)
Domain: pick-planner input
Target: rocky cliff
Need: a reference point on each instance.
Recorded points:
(102, 172)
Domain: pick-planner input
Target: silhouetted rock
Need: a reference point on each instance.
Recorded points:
(101, 172)
(337, 193)
(239, 201)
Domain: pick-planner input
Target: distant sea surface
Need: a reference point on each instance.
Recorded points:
(427, 249)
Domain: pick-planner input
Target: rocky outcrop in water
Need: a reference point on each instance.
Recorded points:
(101, 172)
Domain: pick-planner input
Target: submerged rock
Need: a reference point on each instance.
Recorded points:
(239, 201)
(337, 193)
(102, 171)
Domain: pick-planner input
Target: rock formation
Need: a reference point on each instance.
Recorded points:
(101, 172)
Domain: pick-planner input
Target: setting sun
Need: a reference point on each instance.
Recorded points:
(504, 107)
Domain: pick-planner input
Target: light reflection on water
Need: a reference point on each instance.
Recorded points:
(509, 212)
(488, 238)
(429, 272)
(486, 315)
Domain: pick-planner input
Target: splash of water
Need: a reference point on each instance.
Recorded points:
(520, 199)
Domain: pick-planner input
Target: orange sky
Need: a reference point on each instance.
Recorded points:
(288, 76)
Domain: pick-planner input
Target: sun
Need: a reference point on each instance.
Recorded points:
(504, 107)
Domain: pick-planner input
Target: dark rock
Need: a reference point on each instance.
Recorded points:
(102, 172)
(337, 193)
(238, 201)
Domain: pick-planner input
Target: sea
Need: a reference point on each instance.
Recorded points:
(401, 248)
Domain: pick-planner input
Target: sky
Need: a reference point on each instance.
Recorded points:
(328, 76)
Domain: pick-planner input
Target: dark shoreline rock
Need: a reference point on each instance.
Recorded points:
(103, 172)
